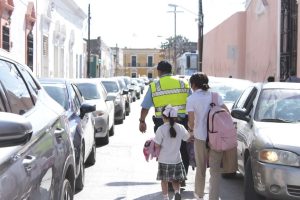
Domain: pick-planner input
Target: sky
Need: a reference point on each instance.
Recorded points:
(147, 23)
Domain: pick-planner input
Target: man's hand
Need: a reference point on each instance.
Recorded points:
(143, 127)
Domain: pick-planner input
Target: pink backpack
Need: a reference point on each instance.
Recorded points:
(222, 134)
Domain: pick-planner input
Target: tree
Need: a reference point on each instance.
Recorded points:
(182, 45)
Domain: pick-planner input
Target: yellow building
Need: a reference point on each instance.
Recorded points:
(141, 62)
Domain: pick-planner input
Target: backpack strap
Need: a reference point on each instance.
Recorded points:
(214, 99)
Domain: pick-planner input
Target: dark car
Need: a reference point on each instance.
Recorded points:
(36, 152)
(82, 129)
(113, 88)
(126, 94)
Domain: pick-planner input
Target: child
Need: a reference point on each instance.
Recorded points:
(168, 138)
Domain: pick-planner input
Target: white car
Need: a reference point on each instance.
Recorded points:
(103, 118)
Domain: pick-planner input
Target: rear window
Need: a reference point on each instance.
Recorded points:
(89, 91)
(111, 86)
(58, 93)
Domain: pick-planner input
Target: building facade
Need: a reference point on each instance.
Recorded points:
(141, 62)
(47, 35)
(260, 42)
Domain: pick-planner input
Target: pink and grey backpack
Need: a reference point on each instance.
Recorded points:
(222, 134)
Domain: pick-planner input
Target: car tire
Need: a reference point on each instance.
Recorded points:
(127, 108)
(112, 130)
(249, 191)
(79, 184)
(67, 191)
(91, 160)
(103, 140)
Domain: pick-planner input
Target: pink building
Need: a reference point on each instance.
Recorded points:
(256, 43)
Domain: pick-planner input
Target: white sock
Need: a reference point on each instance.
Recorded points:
(166, 197)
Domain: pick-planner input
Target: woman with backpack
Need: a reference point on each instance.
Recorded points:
(198, 105)
(168, 139)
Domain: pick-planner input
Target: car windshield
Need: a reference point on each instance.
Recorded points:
(111, 86)
(229, 90)
(58, 92)
(278, 105)
(89, 91)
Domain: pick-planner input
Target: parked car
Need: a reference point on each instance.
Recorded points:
(81, 126)
(103, 118)
(132, 91)
(267, 117)
(140, 83)
(113, 88)
(229, 88)
(36, 152)
(136, 88)
(126, 94)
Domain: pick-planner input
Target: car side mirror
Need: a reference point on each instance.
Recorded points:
(240, 114)
(110, 97)
(125, 92)
(86, 108)
(14, 129)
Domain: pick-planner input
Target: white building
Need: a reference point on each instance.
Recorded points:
(46, 35)
(187, 63)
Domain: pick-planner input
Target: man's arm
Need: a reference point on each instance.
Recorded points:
(143, 125)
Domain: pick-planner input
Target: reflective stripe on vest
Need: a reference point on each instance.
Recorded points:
(174, 91)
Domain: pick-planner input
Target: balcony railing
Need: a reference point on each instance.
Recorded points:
(141, 65)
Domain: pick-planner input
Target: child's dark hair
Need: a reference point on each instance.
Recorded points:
(172, 120)
(200, 80)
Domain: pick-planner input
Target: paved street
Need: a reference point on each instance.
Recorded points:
(121, 171)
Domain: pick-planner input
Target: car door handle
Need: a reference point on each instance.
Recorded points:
(59, 132)
(28, 163)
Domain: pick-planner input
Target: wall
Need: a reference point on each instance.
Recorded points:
(224, 48)
(262, 40)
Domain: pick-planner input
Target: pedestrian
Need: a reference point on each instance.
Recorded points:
(168, 89)
(198, 105)
(293, 76)
(168, 139)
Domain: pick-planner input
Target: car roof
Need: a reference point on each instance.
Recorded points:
(53, 80)
(109, 79)
(280, 85)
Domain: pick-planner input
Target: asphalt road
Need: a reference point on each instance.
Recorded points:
(121, 171)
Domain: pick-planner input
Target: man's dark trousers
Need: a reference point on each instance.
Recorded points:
(183, 150)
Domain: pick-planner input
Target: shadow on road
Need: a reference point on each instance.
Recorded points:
(158, 195)
(129, 183)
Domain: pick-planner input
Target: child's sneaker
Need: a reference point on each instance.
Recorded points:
(177, 196)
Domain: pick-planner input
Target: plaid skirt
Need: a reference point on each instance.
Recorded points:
(169, 172)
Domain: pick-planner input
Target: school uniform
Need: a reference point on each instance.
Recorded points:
(170, 165)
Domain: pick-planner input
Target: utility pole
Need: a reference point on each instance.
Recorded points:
(89, 43)
(175, 43)
(200, 36)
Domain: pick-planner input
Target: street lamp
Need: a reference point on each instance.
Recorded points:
(175, 11)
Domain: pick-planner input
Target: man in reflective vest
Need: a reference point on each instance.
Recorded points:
(167, 90)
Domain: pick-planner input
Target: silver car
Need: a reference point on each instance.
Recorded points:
(267, 117)
(36, 152)
(103, 117)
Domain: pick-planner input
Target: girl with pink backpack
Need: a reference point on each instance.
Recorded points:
(198, 106)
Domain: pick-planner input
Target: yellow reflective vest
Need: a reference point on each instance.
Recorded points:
(169, 90)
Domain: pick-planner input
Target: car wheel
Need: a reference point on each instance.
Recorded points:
(91, 160)
(67, 191)
(127, 109)
(80, 178)
(229, 175)
(112, 130)
(249, 191)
